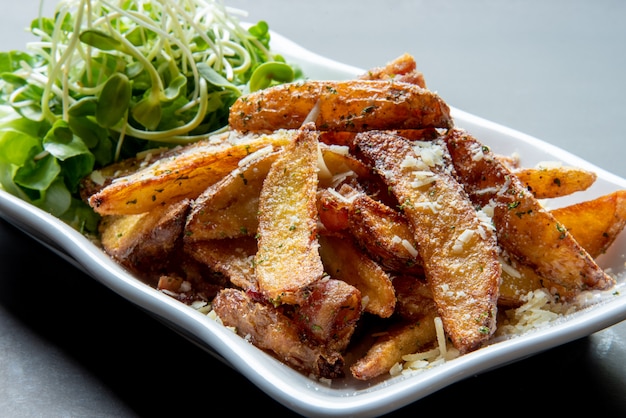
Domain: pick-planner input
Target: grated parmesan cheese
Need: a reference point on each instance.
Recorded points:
(412, 162)
(477, 152)
(435, 207)
(430, 153)
(97, 177)
(257, 154)
(340, 177)
(462, 239)
(423, 178)
(420, 361)
(341, 197)
(509, 269)
(409, 247)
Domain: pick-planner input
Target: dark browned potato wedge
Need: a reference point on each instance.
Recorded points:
(329, 313)
(399, 340)
(525, 229)
(344, 261)
(330, 309)
(268, 329)
(183, 175)
(287, 259)
(414, 298)
(230, 256)
(459, 254)
(145, 243)
(551, 182)
(352, 105)
(229, 208)
(595, 223)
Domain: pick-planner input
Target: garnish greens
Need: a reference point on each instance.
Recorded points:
(107, 79)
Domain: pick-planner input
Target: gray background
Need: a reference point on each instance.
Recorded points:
(552, 69)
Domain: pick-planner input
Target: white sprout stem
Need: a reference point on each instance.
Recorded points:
(54, 69)
(145, 22)
(120, 141)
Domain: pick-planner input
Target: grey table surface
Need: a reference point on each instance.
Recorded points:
(553, 69)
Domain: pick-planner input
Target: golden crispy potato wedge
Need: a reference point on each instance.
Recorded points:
(144, 243)
(288, 259)
(555, 181)
(183, 175)
(102, 177)
(385, 234)
(525, 229)
(344, 261)
(337, 166)
(229, 208)
(459, 253)
(399, 340)
(519, 279)
(333, 208)
(595, 223)
(352, 105)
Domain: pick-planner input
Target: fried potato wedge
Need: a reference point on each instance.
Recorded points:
(459, 253)
(414, 298)
(595, 223)
(333, 209)
(145, 242)
(346, 139)
(102, 177)
(287, 259)
(337, 165)
(385, 234)
(330, 313)
(233, 257)
(555, 181)
(352, 105)
(344, 261)
(525, 229)
(399, 340)
(183, 175)
(519, 279)
(229, 208)
(403, 68)
(269, 329)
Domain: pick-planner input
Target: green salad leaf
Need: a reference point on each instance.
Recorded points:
(109, 78)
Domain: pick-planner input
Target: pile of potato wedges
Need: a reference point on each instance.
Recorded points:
(337, 214)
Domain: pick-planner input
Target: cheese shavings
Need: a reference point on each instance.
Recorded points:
(418, 362)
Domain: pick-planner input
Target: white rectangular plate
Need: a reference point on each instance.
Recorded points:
(348, 396)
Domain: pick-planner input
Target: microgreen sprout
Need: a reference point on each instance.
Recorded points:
(109, 78)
